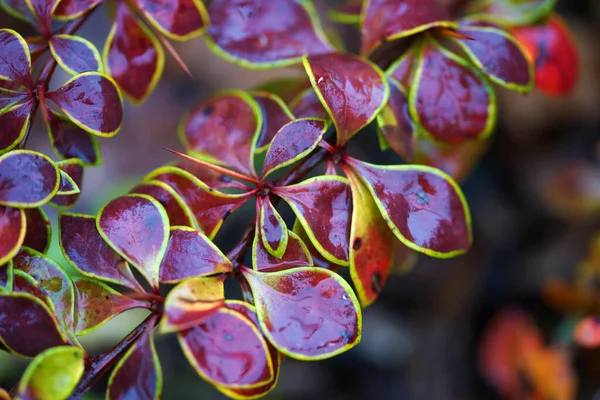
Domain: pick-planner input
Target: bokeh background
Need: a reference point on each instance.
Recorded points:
(420, 340)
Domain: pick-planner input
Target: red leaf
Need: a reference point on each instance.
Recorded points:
(551, 48)
(32, 335)
(133, 56)
(352, 90)
(43, 10)
(68, 185)
(271, 227)
(137, 227)
(75, 54)
(70, 141)
(308, 105)
(97, 303)
(317, 259)
(74, 169)
(386, 20)
(71, 9)
(224, 130)
(275, 114)
(347, 13)
(322, 205)
(265, 33)
(176, 19)
(296, 254)
(402, 69)
(228, 350)
(15, 61)
(424, 207)
(138, 374)
(39, 230)
(294, 141)
(177, 210)
(307, 313)
(396, 123)
(15, 121)
(450, 100)
(212, 178)
(27, 179)
(12, 232)
(86, 251)
(208, 205)
(191, 254)
(285, 88)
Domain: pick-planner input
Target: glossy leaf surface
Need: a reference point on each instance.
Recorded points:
(97, 303)
(352, 90)
(176, 19)
(53, 374)
(133, 55)
(137, 227)
(307, 313)
(12, 231)
(224, 130)
(403, 68)
(73, 168)
(39, 230)
(423, 206)
(273, 231)
(385, 20)
(27, 179)
(75, 54)
(275, 114)
(15, 62)
(15, 121)
(396, 124)
(70, 141)
(69, 9)
(191, 254)
(228, 350)
(28, 336)
(43, 10)
(67, 184)
(308, 105)
(88, 252)
(451, 101)
(192, 303)
(138, 374)
(296, 254)
(323, 205)
(264, 33)
(178, 212)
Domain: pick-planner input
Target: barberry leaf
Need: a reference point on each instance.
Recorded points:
(138, 374)
(87, 252)
(423, 206)
(307, 313)
(192, 303)
(228, 350)
(273, 231)
(96, 303)
(396, 125)
(308, 105)
(39, 230)
(43, 11)
(133, 56)
(6, 279)
(296, 254)
(353, 90)
(178, 212)
(402, 69)
(317, 259)
(264, 33)
(137, 227)
(275, 114)
(450, 100)
(71, 9)
(15, 120)
(215, 180)
(285, 88)
(176, 19)
(70, 141)
(191, 254)
(553, 52)
(15, 61)
(30, 336)
(371, 244)
(13, 227)
(322, 204)
(499, 56)
(346, 13)
(53, 374)
(224, 130)
(67, 184)
(73, 168)
(27, 179)
(17, 9)
(293, 142)
(75, 54)
(386, 20)
(510, 12)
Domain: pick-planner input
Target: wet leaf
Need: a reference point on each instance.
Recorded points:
(133, 56)
(322, 205)
(137, 227)
(52, 375)
(138, 374)
(15, 120)
(308, 105)
(176, 19)
(224, 130)
(307, 313)
(67, 185)
(39, 230)
(396, 124)
(386, 20)
(424, 207)
(17, 9)
(296, 254)
(70, 141)
(275, 114)
(191, 254)
(352, 90)
(192, 303)
(43, 10)
(15, 63)
(178, 212)
(71, 9)
(27, 179)
(317, 259)
(293, 142)
(402, 69)
(12, 231)
(265, 34)
(73, 168)
(75, 54)
(97, 303)
(28, 336)
(510, 12)
(273, 231)
(86, 251)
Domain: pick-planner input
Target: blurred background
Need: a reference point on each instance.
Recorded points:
(420, 339)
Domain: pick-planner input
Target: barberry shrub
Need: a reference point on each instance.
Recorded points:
(424, 76)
